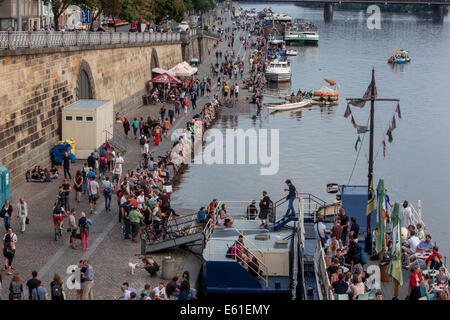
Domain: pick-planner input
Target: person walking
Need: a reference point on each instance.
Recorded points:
(157, 134)
(84, 231)
(166, 127)
(22, 214)
(78, 185)
(194, 100)
(93, 188)
(89, 282)
(67, 164)
(107, 191)
(73, 229)
(162, 112)
(9, 249)
(32, 283)
(293, 193)
(135, 125)
(126, 126)
(171, 116)
(39, 293)
(57, 288)
(66, 188)
(16, 288)
(6, 213)
(264, 206)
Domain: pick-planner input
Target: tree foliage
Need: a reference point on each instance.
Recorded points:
(59, 6)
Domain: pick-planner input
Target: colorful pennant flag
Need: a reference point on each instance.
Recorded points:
(354, 122)
(348, 111)
(356, 144)
(398, 111)
(361, 129)
(393, 124)
(389, 134)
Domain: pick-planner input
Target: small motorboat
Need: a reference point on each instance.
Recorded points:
(332, 188)
(288, 106)
(399, 56)
(291, 52)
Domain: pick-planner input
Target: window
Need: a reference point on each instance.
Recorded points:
(69, 118)
(89, 118)
(79, 118)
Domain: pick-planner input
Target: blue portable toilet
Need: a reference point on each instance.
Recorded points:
(5, 187)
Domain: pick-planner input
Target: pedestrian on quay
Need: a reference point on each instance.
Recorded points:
(107, 191)
(32, 284)
(9, 249)
(135, 125)
(93, 189)
(166, 127)
(66, 188)
(83, 225)
(293, 193)
(67, 164)
(88, 291)
(57, 288)
(126, 126)
(162, 112)
(73, 229)
(16, 288)
(22, 214)
(157, 134)
(78, 185)
(171, 116)
(136, 218)
(80, 289)
(6, 213)
(39, 293)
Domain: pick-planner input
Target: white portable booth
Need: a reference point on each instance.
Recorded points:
(89, 123)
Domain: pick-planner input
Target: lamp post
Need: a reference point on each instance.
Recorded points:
(19, 17)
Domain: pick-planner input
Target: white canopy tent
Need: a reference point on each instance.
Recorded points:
(183, 69)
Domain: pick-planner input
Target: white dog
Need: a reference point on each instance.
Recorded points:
(132, 266)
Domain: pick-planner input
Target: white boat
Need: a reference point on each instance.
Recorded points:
(301, 34)
(288, 106)
(291, 52)
(278, 71)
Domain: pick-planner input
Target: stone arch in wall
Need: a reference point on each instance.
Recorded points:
(85, 82)
(154, 61)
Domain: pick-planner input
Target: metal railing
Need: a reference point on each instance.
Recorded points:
(11, 40)
(321, 274)
(116, 141)
(262, 266)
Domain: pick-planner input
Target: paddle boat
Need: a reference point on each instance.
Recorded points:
(288, 106)
(399, 56)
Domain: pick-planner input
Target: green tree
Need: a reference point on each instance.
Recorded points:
(59, 6)
(167, 9)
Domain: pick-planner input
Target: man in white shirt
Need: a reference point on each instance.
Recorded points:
(140, 199)
(320, 230)
(160, 292)
(93, 194)
(127, 290)
(406, 215)
(331, 240)
(410, 248)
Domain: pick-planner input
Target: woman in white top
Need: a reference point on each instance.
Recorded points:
(22, 213)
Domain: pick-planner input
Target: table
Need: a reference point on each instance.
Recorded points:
(432, 273)
(423, 256)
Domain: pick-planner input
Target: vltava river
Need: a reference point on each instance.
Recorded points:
(317, 145)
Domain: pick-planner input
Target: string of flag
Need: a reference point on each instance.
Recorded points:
(391, 128)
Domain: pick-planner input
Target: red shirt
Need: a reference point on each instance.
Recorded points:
(430, 258)
(413, 281)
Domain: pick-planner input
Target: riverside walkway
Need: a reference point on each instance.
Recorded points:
(108, 253)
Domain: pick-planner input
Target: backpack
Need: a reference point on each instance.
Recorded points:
(56, 290)
(15, 293)
(142, 141)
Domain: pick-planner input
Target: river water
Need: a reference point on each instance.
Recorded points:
(317, 146)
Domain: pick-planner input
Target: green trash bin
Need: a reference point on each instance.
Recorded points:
(194, 62)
